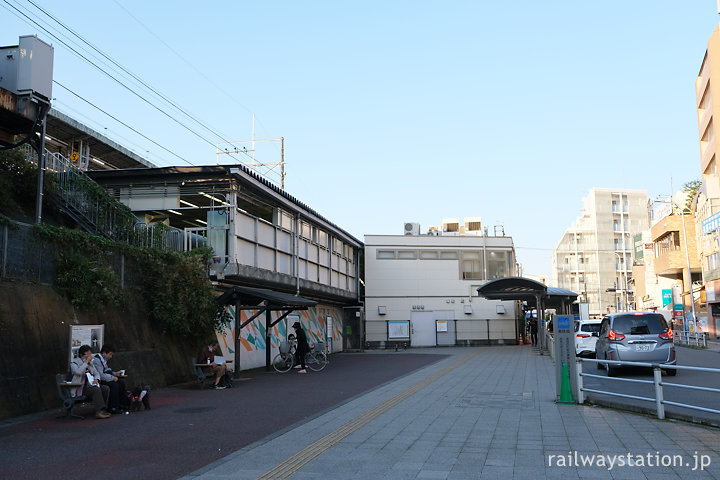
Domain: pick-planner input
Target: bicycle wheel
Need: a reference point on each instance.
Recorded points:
(282, 362)
(315, 361)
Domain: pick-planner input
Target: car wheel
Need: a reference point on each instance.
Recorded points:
(598, 365)
(611, 371)
(670, 372)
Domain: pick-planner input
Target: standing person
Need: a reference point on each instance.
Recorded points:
(207, 359)
(302, 347)
(533, 331)
(98, 394)
(109, 377)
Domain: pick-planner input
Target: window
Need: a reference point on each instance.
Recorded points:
(668, 243)
(337, 246)
(498, 264)
(306, 231)
(429, 255)
(472, 267)
(385, 254)
(407, 255)
(322, 238)
(448, 255)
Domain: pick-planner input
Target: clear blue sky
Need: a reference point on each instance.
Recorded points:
(404, 111)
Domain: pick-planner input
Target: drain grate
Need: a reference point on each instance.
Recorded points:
(525, 400)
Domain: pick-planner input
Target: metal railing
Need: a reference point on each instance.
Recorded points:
(699, 339)
(657, 382)
(99, 213)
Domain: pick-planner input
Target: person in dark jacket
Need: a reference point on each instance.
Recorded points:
(533, 331)
(302, 347)
(206, 361)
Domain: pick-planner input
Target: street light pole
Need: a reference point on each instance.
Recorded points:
(687, 260)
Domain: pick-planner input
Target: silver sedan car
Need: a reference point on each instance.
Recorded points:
(635, 337)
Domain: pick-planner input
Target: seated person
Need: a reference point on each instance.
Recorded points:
(109, 378)
(98, 394)
(207, 359)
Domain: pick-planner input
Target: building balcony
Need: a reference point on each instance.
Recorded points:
(669, 237)
(672, 264)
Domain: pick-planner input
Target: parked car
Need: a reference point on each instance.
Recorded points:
(586, 335)
(635, 337)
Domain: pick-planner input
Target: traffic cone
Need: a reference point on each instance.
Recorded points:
(565, 390)
(521, 340)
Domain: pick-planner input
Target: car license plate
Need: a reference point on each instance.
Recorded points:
(643, 347)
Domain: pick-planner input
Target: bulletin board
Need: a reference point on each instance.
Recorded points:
(399, 329)
(93, 335)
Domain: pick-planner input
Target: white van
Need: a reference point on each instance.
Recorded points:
(586, 335)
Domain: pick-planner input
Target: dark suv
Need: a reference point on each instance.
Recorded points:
(635, 337)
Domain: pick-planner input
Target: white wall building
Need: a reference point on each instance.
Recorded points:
(422, 289)
(594, 256)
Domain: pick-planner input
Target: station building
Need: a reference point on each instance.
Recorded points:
(421, 289)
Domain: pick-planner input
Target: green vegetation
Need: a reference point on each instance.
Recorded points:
(87, 282)
(18, 182)
(18, 186)
(691, 188)
(178, 294)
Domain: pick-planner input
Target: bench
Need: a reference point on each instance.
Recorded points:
(68, 401)
(199, 373)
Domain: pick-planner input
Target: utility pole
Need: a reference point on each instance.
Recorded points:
(687, 260)
(261, 168)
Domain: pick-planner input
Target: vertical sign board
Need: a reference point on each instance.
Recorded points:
(92, 335)
(329, 333)
(666, 297)
(564, 350)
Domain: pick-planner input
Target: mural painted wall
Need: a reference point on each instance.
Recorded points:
(317, 322)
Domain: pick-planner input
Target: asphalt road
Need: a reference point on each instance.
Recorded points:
(189, 428)
(685, 356)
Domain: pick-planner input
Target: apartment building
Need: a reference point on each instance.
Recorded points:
(594, 256)
(676, 260)
(421, 289)
(707, 202)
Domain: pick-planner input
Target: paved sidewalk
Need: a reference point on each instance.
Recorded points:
(485, 412)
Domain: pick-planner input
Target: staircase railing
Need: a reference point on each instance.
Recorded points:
(96, 211)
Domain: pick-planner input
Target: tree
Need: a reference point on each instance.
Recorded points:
(691, 188)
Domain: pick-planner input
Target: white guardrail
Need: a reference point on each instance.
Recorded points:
(699, 339)
(657, 381)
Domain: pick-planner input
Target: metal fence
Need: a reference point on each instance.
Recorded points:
(657, 382)
(25, 257)
(699, 339)
(99, 213)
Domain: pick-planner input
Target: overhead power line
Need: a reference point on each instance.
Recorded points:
(119, 82)
(135, 77)
(121, 122)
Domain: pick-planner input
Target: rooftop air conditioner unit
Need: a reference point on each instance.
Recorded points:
(412, 228)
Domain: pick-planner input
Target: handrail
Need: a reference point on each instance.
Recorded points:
(660, 402)
(100, 213)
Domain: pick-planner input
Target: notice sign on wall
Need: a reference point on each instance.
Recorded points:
(92, 335)
(441, 326)
(399, 329)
